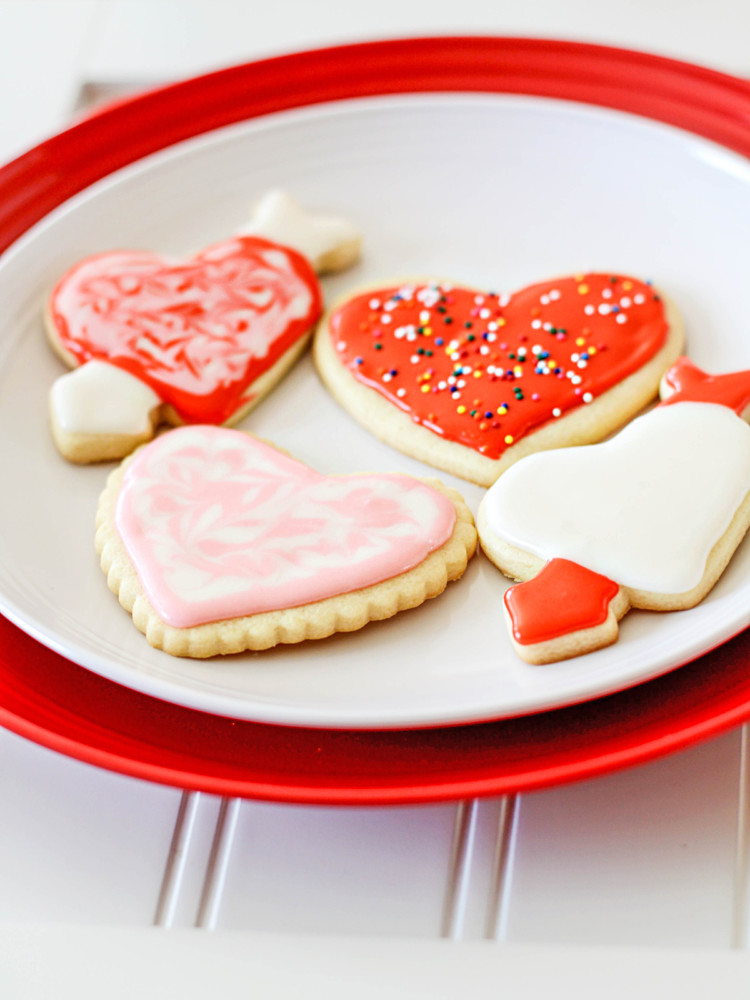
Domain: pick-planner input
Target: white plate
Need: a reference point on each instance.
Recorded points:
(491, 190)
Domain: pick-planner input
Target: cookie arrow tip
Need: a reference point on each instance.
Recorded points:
(330, 242)
(685, 382)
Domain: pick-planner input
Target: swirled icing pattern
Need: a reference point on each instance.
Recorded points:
(219, 525)
(198, 332)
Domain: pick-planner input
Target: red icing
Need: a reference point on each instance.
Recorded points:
(199, 332)
(688, 384)
(563, 598)
(509, 390)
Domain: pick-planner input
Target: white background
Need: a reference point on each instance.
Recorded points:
(633, 881)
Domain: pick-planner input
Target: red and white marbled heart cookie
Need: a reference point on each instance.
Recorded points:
(199, 332)
(217, 543)
(200, 340)
(471, 381)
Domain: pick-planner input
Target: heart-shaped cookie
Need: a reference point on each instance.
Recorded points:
(198, 332)
(471, 381)
(648, 519)
(218, 542)
(201, 340)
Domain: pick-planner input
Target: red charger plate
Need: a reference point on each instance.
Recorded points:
(56, 703)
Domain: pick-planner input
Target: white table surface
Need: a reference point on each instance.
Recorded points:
(631, 882)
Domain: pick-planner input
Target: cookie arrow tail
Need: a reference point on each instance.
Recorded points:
(567, 602)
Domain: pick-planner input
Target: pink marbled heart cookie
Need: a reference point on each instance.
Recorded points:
(218, 542)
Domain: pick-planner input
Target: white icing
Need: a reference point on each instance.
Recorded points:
(99, 398)
(278, 218)
(643, 509)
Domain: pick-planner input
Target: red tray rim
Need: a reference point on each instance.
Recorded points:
(65, 708)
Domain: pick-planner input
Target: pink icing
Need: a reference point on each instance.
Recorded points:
(219, 525)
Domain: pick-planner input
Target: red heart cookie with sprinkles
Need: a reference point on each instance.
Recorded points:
(200, 332)
(470, 381)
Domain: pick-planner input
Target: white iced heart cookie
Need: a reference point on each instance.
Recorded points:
(648, 519)
(217, 542)
(201, 340)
